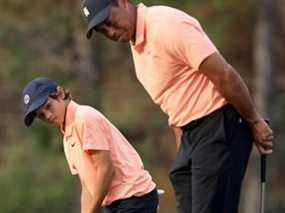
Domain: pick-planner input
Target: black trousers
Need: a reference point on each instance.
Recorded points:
(145, 204)
(211, 162)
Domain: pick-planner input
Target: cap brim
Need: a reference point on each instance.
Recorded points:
(97, 19)
(30, 114)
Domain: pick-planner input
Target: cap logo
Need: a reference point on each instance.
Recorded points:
(26, 99)
(86, 11)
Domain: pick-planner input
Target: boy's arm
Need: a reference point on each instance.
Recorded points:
(101, 177)
(86, 199)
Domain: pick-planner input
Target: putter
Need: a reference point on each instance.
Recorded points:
(160, 192)
(263, 179)
(263, 182)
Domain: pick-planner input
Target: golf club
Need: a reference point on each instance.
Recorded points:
(263, 179)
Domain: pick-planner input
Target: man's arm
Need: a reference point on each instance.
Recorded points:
(233, 88)
(103, 174)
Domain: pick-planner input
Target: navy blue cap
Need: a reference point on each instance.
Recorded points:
(95, 12)
(35, 95)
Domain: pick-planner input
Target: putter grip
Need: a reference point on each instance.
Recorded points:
(263, 163)
(263, 168)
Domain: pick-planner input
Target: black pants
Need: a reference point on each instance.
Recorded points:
(145, 204)
(211, 162)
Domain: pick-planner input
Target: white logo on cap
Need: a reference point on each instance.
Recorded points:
(26, 99)
(86, 11)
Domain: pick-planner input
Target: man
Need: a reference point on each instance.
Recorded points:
(208, 104)
(110, 170)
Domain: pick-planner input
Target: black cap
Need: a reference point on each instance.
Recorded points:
(35, 95)
(95, 12)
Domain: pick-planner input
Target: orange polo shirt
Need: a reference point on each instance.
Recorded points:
(170, 45)
(87, 129)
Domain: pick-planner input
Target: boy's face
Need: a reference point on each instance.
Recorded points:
(52, 111)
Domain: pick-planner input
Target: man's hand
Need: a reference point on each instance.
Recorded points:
(263, 136)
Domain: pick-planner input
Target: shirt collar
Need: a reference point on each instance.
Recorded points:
(140, 27)
(69, 119)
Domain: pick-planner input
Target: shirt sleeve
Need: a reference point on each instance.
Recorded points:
(185, 39)
(93, 131)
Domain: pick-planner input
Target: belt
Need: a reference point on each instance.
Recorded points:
(228, 109)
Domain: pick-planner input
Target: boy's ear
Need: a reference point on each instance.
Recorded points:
(60, 92)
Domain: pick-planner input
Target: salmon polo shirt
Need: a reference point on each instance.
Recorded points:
(169, 47)
(87, 129)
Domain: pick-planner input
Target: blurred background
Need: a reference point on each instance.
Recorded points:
(47, 38)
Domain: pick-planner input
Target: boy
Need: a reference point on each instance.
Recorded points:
(110, 170)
